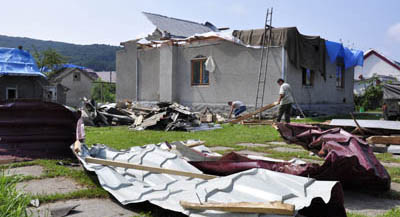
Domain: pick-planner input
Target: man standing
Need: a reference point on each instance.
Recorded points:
(237, 107)
(285, 100)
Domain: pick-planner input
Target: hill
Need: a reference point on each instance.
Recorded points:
(98, 57)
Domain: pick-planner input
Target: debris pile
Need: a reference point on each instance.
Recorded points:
(167, 116)
(164, 116)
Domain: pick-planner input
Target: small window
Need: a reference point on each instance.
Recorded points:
(200, 76)
(340, 75)
(308, 77)
(77, 76)
(11, 93)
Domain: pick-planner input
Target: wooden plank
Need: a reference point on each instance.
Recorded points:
(393, 140)
(194, 144)
(243, 207)
(77, 146)
(247, 116)
(148, 168)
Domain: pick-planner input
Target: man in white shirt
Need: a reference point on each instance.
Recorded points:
(237, 107)
(285, 100)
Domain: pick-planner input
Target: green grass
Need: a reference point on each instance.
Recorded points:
(122, 138)
(12, 202)
(395, 212)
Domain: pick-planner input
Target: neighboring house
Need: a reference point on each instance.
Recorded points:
(20, 77)
(108, 77)
(212, 68)
(78, 81)
(375, 64)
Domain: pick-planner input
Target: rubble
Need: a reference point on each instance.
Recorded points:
(164, 116)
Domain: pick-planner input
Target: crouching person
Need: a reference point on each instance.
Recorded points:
(237, 107)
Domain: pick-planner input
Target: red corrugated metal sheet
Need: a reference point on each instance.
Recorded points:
(33, 129)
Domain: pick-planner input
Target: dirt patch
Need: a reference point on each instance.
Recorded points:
(60, 185)
(35, 171)
(368, 205)
(86, 208)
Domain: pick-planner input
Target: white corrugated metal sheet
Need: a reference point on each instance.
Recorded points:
(255, 185)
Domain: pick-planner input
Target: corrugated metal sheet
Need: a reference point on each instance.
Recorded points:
(377, 124)
(255, 185)
(177, 27)
(32, 129)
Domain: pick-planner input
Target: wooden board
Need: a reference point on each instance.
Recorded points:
(394, 140)
(247, 116)
(243, 207)
(148, 168)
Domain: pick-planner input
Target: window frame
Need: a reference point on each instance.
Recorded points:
(12, 88)
(77, 78)
(304, 77)
(202, 61)
(340, 66)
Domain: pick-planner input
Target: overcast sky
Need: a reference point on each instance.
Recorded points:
(361, 24)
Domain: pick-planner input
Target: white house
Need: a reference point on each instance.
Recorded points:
(375, 64)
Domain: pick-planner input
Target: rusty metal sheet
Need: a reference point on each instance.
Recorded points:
(33, 129)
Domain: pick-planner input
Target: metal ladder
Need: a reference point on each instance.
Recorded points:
(262, 75)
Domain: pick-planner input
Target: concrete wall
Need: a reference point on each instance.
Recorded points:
(27, 87)
(235, 76)
(149, 75)
(323, 96)
(126, 72)
(77, 89)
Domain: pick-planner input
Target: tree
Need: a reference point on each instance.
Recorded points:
(103, 91)
(49, 59)
(372, 97)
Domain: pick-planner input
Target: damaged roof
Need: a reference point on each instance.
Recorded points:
(165, 190)
(178, 28)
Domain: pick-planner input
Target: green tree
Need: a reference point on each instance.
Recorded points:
(372, 97)
(103, 92)
(49, 58)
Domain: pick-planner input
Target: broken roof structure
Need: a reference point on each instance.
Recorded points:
(310, 197)
(170, 27)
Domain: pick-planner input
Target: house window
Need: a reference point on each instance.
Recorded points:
(77, 76)
(200, 76)
(11, 93)
(308, 77)
(340, 75)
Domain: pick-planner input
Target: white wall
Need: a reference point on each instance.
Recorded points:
(374, 64)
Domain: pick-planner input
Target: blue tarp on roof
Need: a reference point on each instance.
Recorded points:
(350, 57)
(17, 62)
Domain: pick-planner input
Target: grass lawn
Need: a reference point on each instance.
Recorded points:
(122, 138)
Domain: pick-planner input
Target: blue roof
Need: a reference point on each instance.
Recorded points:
(14, 61)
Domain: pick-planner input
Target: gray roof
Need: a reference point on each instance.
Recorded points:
(105, 76)
(164, 190)
(178, 28)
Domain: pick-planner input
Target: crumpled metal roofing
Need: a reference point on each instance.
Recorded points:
(178, 27)
(255, 185)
